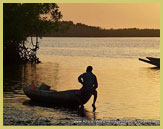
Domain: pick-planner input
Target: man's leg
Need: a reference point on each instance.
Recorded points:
(94, 100)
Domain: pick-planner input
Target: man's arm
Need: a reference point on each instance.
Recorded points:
(80, 79)
(95, 83)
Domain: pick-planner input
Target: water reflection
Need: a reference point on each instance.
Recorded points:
(16, 76)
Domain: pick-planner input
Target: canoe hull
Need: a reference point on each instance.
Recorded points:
(69, 98)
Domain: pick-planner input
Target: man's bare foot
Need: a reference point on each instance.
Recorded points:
(94, 107)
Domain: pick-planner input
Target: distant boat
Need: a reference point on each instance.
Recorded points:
(152, 60)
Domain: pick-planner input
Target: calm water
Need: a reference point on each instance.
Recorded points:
(128, 88)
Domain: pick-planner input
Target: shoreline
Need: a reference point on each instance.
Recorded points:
(13, 116)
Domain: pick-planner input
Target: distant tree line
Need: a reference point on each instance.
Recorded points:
(69, 29)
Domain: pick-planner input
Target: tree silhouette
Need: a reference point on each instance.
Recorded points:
(82, 30)
(26, 20)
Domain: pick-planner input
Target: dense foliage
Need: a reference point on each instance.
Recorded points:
(25, 20)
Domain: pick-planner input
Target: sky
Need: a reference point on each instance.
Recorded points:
(113, 15)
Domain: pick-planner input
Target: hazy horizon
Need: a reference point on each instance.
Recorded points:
(113, 15)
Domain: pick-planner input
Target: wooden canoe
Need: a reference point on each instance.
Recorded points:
(68, 98)
(152, 60)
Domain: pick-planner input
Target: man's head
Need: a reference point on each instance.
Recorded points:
(89, 69)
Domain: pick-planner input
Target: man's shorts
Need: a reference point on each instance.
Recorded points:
(85, 91)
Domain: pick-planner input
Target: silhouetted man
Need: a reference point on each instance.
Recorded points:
(89, 82)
